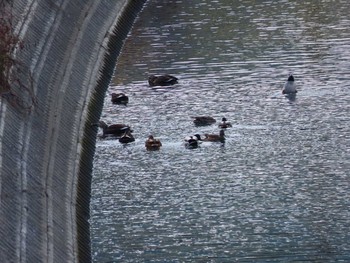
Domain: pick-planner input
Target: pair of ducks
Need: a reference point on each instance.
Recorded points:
(162, 80)
(193, 141)
(124, 132)
(116, 130)
(207, 120)
(166, 80)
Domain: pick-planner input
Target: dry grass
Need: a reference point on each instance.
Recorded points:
(16, 84)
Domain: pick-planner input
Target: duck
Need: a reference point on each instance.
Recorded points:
(289, 87)
(213, 137)
(224, 124)
(152, 144)
(162, 80)
(191, 142)
(113, 129)
(203, 120)
(127, 137)
(119, 98)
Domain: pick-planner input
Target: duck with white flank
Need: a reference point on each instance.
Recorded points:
(127, 137)
(289, 87)
(191, 142)
(119, 98)
(224, 124)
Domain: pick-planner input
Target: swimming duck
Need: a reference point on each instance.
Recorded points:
(127, 137)
(163, 80)
(191, 142)
(214, 137)
(119, 98)
(224, 124)
(203, 120)
(112, 130)
(289, 86)
(152, 144)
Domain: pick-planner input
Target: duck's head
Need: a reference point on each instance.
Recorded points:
(152, 78)
(290, 78)
(101, 124)
(150, 137)
(224, 119)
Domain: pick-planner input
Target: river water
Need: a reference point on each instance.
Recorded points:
(278, 189)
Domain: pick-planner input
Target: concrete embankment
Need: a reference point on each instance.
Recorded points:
(46, 152)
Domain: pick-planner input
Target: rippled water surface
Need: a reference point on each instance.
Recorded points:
(278, 189)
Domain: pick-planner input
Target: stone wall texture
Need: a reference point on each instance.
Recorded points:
(46, 153)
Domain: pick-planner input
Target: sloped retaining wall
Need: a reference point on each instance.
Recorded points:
(46, 153)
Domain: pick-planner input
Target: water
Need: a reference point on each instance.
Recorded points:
(278, 189)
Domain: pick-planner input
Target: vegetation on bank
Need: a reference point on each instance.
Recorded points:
(16, 82)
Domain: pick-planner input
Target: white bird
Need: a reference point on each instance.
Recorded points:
(289, 86)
